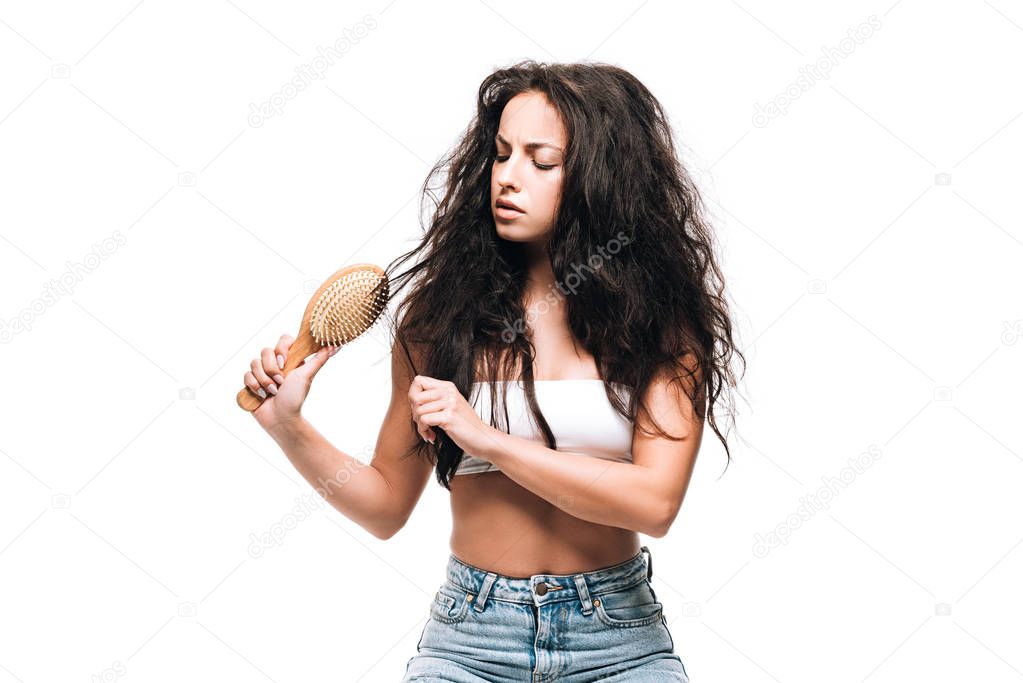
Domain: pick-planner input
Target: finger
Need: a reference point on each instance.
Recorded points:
(271, 368)
(312, 365)
(252, 385)
(424, 431)
(426, 420)
(264, 380)
(435, 419)
(422, 382)
(434, 406)
(416, 392)
(283, 344)
(419, 398)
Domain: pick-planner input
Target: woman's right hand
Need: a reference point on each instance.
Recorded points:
(284, 395)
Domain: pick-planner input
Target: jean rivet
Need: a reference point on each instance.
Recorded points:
(596, 602)
(469, 598)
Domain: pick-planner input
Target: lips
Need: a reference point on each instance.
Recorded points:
(505, 204)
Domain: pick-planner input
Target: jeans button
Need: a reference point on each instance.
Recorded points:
(541, 588)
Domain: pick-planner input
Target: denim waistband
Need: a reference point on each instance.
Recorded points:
(556, 587)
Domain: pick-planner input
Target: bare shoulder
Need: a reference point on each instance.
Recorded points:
(669, 397)
(668, 406)
(406, 362)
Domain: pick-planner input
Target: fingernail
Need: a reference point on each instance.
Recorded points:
(279, 379)
(335, 350)
(262, 394)
(272, 389)
(280, 361)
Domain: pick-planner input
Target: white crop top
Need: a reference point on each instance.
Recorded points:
(577, 411)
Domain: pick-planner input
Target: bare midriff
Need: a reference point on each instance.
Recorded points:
(502, 527)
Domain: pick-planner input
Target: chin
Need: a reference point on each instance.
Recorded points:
(515, 233)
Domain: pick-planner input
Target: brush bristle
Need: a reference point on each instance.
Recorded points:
(348, 307)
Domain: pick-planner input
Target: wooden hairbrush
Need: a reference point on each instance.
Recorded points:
(344, 307)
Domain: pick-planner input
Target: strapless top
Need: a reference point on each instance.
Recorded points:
(577, 411)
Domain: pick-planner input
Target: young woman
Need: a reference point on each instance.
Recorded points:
(565, 340)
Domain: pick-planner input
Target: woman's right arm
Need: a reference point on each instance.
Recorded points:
(379, 496)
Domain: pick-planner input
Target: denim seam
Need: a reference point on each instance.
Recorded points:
(619, 589)
(607, 619)
(614, 588)
(634, 559)
(443, 609)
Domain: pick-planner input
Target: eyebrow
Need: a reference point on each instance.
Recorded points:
(530, 146)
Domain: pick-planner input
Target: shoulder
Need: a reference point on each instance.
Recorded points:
(674, 396)
(407, 361)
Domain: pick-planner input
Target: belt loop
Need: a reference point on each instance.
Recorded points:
(649, 562)
(584, 593)
(481, 599)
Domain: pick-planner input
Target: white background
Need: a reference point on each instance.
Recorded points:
(871, 237)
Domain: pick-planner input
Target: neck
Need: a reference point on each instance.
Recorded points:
(539, 273)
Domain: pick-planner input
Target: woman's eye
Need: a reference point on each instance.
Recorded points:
(542, 167)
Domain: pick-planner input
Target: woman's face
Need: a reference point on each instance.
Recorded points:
(527, 170)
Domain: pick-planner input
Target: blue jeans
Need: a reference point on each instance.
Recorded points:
(602, 625)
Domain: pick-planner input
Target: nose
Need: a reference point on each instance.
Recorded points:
(506, 175)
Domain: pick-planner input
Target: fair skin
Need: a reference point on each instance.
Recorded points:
(545, 511)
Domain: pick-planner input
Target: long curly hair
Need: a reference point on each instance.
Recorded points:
(630, 249)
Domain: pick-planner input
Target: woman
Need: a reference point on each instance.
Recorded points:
(565, 339)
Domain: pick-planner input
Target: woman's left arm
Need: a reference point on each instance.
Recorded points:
(644, 495)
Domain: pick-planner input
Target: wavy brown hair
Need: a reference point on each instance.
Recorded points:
(630, 248)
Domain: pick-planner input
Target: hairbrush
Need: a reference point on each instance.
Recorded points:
(346, 305)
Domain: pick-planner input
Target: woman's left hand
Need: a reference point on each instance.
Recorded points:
(437, 403)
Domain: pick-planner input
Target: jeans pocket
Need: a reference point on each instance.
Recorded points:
(450, 604)
(633, 606)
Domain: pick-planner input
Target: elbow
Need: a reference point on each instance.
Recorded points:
(387, 530)
(658, 531)
(664, 519)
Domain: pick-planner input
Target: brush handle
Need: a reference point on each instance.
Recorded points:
(303, 346)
